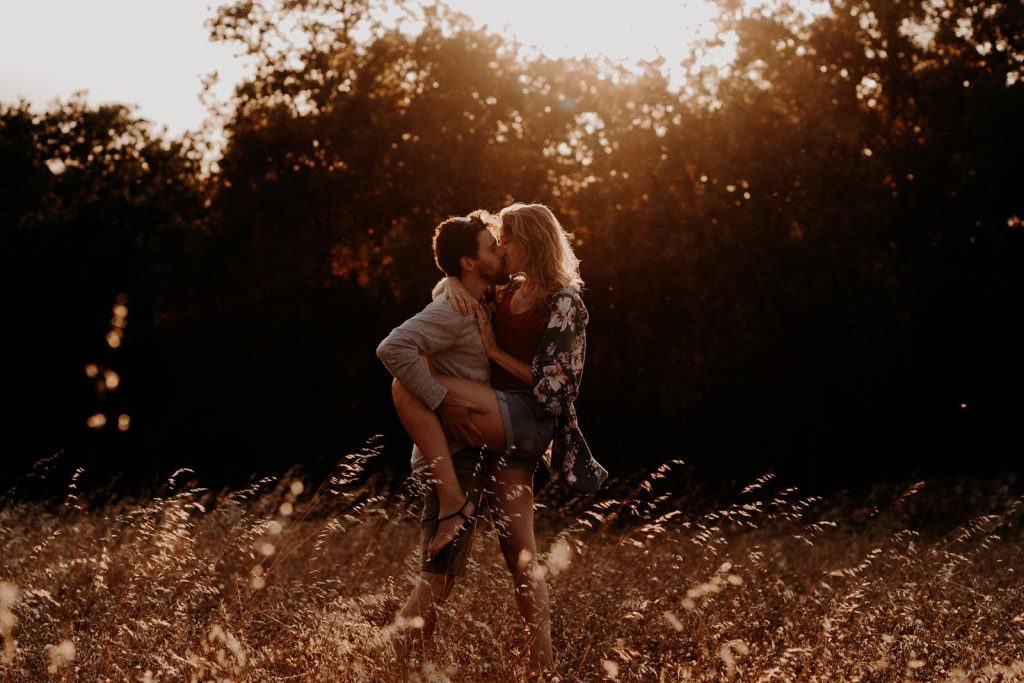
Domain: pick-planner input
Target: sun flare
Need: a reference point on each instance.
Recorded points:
(618, 31)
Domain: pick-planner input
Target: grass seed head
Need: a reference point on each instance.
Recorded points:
(59, 655)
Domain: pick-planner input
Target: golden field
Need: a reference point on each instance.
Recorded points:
(284, 580)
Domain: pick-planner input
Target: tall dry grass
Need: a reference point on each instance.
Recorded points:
(280, 581)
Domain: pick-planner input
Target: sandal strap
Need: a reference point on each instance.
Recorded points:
(462, 525)
(458, 513)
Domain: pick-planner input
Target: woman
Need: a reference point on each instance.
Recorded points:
(537, 347)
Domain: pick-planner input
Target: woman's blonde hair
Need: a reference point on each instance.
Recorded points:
(550, 264)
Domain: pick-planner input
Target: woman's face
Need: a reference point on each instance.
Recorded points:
(515, 254)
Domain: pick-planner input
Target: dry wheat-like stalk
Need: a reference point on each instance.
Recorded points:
(284, 580)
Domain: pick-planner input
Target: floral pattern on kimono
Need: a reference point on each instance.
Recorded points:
(557, 372)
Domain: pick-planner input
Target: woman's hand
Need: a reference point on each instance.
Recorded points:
(506, 360)
(483, 321)
(455, 293)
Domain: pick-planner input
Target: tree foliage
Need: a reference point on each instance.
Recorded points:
(814, 250)
(95, 210)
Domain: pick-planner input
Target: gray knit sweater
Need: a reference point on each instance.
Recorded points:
(451, 342)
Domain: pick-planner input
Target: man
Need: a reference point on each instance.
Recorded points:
(464, 248)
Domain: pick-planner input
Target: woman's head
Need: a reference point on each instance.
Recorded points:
(536, 244)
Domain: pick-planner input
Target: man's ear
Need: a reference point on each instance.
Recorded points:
(467, 264)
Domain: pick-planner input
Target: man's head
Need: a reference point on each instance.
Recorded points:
(466, 246)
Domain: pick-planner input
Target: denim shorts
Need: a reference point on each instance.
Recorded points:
(527, 433)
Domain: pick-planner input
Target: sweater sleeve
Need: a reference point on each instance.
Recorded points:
(434, 328)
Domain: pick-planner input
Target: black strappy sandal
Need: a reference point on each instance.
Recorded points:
(466, 520)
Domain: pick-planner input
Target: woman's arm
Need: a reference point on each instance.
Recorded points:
(455, 293)
(558, 366)
(506, 360)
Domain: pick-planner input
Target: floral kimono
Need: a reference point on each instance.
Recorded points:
(557, 372)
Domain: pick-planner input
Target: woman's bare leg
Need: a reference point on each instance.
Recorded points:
(513, 505)
(425, 429)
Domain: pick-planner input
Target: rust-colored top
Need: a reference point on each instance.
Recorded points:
(517, 334)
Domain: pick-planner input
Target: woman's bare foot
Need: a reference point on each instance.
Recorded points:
(450, 525)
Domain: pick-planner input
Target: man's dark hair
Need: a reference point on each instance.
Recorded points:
(456, 237)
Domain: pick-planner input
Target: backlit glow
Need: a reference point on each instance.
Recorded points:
(620, 31)
(616, 30)
(156, 54)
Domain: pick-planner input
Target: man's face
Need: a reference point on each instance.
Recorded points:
(491, 259)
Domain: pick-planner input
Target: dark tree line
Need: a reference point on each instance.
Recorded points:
(810, 261)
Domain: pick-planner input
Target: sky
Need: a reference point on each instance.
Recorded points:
(155, 53)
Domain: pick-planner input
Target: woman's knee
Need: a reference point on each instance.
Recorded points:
(512, 560)
(401, 396)
(519, 556)
(397, 389)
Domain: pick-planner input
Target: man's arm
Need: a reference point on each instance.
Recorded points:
(431, 330)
